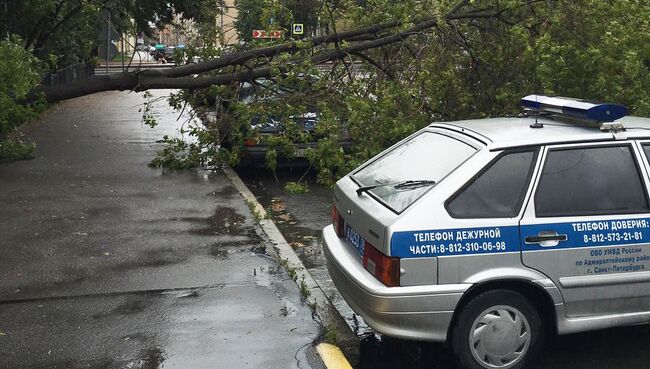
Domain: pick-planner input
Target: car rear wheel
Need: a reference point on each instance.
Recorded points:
(497, 329)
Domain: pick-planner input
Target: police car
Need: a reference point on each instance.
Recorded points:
(491, 234)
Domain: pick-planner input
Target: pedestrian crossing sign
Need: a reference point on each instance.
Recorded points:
(298, 29)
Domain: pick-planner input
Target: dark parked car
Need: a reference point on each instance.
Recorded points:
(265, 127)
(262, 129)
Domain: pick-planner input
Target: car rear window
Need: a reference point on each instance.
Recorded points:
(427, 156)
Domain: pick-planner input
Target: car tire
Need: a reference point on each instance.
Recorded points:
(497, 329)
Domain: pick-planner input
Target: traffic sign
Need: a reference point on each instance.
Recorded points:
(260, 33)
(298, 29)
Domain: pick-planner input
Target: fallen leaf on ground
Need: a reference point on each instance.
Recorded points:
(278, 206)
(285, 217)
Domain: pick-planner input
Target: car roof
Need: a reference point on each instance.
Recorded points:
(501, 133)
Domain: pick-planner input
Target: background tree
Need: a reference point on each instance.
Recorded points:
(19, 75)
(250, 19)
(63, 32)
(37, 36)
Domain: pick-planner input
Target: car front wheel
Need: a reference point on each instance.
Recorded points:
(498, 329)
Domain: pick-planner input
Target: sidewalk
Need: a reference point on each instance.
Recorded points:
(108, 263)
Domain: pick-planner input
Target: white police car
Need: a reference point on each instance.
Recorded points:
(490, 234)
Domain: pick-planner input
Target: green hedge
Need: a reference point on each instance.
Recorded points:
(19, 76)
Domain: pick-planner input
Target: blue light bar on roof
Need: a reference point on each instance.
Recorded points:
(580, 109)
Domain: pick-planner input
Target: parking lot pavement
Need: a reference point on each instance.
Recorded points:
(300, 217)
(107, 263)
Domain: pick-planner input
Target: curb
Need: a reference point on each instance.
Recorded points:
(330, 318)
(332, 356)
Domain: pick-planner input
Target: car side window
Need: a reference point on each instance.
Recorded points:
(498, 191)
(590, 181)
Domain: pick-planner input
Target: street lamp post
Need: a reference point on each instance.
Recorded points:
(108, 38)
(223, 33)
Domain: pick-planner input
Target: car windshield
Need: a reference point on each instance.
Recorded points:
(426, 158)
(248, 93)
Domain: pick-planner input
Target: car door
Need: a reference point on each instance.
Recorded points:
(587, 227)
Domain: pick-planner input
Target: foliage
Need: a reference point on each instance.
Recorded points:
(330, 335)
(478, 65)
(608, 63)
(276, 15)
(475, 58)
(19, 75)
(65, 32)
(46, 35)
(305, 292)
(252, 206)
(180, 153)
(15, 148)
(296, 187)
(250, 19)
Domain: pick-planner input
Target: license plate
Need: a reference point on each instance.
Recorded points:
(355, 240)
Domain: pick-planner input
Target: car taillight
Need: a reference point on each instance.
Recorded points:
(384, 268)
(250, 141)
(337, 221)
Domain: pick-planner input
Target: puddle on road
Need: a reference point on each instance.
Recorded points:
(231, 229)
(389, 353)
(225, 220)
(225, 191)
(149, 259)
(131, 305)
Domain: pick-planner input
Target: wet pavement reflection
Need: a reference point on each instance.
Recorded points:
(108, 263)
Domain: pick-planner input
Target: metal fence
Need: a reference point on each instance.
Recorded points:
(69, 74)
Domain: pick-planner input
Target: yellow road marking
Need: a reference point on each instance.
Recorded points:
(332, 357)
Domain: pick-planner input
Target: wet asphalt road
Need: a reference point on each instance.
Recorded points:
(107, 263)
(300, 217)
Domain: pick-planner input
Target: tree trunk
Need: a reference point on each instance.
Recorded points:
(190, 76)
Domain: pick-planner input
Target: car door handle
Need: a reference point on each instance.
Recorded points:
(546, 238)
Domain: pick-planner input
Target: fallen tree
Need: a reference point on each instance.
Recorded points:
(405, 65)
(249, 65)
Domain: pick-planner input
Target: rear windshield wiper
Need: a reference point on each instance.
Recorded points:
(398, 185)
